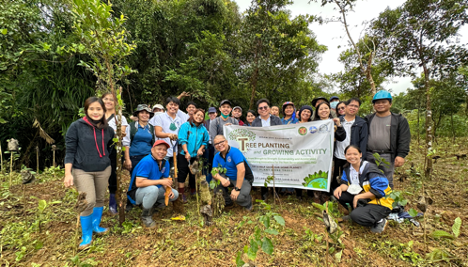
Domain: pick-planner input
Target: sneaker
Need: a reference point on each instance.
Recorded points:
(379, 227)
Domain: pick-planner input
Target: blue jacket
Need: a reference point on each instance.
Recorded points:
(194, 137)
(359, 134)
(372, 180)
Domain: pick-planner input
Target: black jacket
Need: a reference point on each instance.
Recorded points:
(273, 121)
(82, 146)
(400, 135)
(340, 133)
(359, 134)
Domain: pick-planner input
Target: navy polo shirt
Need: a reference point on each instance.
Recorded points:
(233, 158)
(147, 168)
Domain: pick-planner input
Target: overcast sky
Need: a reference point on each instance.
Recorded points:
(333, 34)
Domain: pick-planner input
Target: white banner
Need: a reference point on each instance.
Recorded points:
(301, 154)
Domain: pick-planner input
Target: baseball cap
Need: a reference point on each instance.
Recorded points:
(238, 108)
(225, 101)
(212, 110)
(161, 142)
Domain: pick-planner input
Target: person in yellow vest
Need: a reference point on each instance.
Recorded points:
(364, 188)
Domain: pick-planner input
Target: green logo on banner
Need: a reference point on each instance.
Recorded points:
(318, 180)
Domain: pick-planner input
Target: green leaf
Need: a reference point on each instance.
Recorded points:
(253, 249)
(38, 245)
(267, 246)
(338, 256)
(456, 227)
(42, 205)
(440, 234)
(413, 212)
(239, 261)
(212, 184)
(4, 31)
(271, 231)
(279, 220)
(318, 206)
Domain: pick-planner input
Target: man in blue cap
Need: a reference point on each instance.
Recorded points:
(389, 135)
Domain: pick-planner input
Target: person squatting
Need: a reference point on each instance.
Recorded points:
(157, 137)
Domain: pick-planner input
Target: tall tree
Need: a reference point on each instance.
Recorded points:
(104, 38)
(422, 33)
(366, 52)
(276, 52)
(353, 82)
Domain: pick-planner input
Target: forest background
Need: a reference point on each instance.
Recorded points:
(210, 49)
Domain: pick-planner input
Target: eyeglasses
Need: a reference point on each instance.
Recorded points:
(342, 108)
(353, 106)
(217, 144)
(263, 108)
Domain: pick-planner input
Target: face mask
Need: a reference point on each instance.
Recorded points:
(333, 105)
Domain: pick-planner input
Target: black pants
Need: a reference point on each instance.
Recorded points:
(337, 172)
(113, 175)
(243, 199)
(365, 215)
(135, 160)
(209, 155)
(184, 169)
(310, 193)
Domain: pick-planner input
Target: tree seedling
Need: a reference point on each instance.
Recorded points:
(455, 230)
(269, 224)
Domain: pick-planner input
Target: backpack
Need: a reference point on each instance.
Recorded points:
(134, 129)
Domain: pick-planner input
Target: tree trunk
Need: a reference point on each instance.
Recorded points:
(428, 170)
(254, 85)
(119, 193)
(436, 126)
(254, 77)
(453, 128)
(365, 70)
(418, 127)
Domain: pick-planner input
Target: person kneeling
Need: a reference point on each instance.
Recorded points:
(149, 182)
(238, 174)
(366, 189)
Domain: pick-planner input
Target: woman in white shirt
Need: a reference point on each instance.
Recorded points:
(109, 102)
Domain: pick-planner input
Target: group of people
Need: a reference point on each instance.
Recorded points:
(159, 136)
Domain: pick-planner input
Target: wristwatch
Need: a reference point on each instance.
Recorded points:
(237, 188)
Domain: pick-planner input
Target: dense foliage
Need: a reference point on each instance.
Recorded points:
(207, 48)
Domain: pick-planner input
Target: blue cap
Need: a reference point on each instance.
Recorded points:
(211, 110)
(333, 98)
(382, 94)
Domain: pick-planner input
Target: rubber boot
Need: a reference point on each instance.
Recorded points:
(147, 219)
(86, 231)
(97, 214)
(112, 204)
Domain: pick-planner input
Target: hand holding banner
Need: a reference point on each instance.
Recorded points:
(300, 153)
